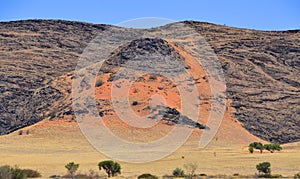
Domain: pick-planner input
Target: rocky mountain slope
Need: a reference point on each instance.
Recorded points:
(38, 57)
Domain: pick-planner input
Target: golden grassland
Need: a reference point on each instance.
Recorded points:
(51, 144)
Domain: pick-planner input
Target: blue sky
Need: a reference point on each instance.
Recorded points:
(254, 14)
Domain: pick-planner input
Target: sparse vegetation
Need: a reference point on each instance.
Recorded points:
(55, 176)
(17, 173)
(257, 145)
(147, 176)
(111, 168)
(272, 147)
(134, 103)
(202, 175)
(99, 82)
(264, 169)
(31, 173)
(178, 172)
(93, 174)
(52, 115)
(251, 149)
(8, 172)
(20, 132)
(72, 168)
(152, 77)
(297, 176)
(5, 172)
(190, 169)
(269, 147)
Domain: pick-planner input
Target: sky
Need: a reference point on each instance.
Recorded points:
(252, 14)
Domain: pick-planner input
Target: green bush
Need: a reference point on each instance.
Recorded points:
(31, 173)
(264, 168)
(111, 168)
(257, 145)
(5, 172)
(8, 172)
(147, 176)
(72, 168)
(17, 173)
(251, 150)
(272, 147)
(178, 172)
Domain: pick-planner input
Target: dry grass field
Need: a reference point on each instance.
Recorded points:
(51, 144)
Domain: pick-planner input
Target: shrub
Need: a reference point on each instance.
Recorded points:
(99, 82)
(52, 115)
(20, 132)
(111, 168)
(134, 103)
(191, 168)
(202, 175)
(178, 172)
(251, 150)
(93, 174)
(72, 168)
(272, 147)
(31, 173)
(257, 145)
(297, 176)
(152, 77)
(5, 172)
(17, 173)
(147, 176)
(264, 168)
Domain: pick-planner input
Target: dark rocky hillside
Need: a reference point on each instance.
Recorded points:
(37, 58)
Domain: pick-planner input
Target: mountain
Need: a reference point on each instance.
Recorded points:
(38, 58)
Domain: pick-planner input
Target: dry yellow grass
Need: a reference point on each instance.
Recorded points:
(50, 145)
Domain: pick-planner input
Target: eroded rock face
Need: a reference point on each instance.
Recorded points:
(172, 116)
(261, 69)
(33, 55)
(262, 75)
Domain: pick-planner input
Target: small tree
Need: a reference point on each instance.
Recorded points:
(72, 168)
(257, 145)
(178, 172)
(264, 167)
(272, 147)
(111, 168)
(191, 168)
